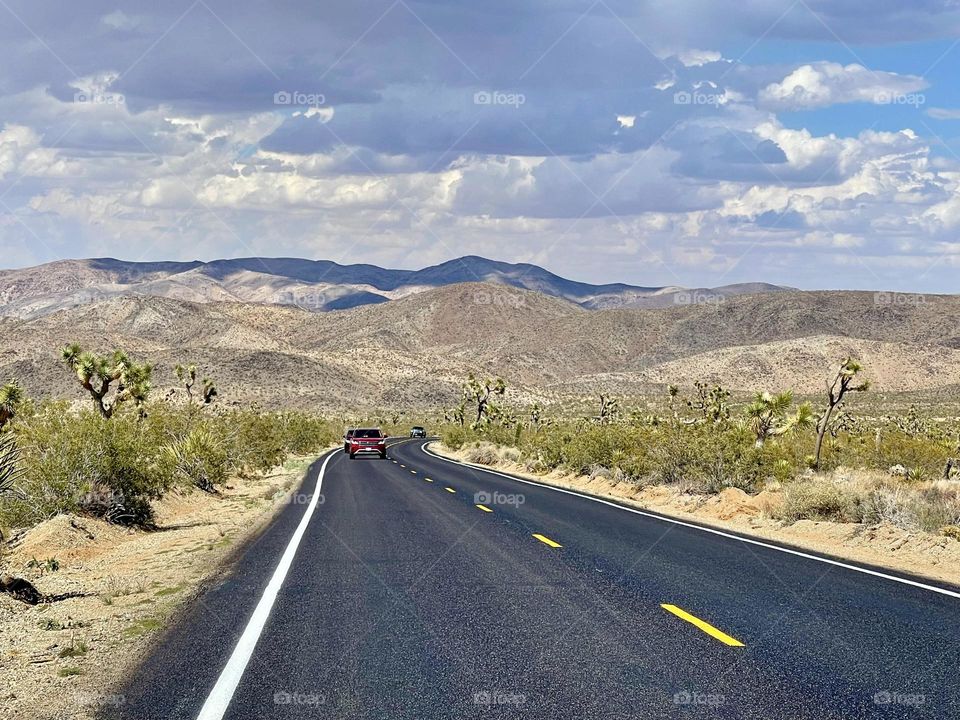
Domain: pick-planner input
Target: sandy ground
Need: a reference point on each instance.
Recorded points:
(59, 660)
(919, 553)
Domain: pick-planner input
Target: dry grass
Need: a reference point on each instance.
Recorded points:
(871, 497)
(816, 499)
(487, 453)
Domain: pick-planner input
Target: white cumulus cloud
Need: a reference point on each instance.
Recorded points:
(829, 83)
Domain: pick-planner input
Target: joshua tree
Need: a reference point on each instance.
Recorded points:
(11, 395)
(187, 375)
(913, 424)
(98, 373)
(9, 462)
(210, 391)
(609, 409)
(952, 462)
(484, 394)
(841, 385)
(843, 421)
(768, 415)
(536, 416)
(457, 414)
(711, 404)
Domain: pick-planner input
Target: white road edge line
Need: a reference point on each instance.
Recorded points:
(219, 698)
(721, 533)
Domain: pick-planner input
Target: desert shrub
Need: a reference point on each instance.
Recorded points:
(938, 508)
(255, 442)
(84, 463)
(706, 458)
(304, 434)
(548, 447)
(884, 504)
(817, 499)
(453, 436)
(928, 509)
(498, 434)
(599, 471)
(923, 455)
(593, 445)
(258, 441)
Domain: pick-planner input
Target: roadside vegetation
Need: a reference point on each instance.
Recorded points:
(113, 457)
(824, 460)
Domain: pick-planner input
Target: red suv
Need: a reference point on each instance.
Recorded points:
(367, 441)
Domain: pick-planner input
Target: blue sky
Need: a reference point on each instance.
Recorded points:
(694, 143)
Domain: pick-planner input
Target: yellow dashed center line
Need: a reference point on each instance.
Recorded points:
(705, 626)
(547, 541)
(428, 479)
(450, 490)
(484, 508)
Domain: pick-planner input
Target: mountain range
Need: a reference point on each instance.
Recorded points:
(316, 285)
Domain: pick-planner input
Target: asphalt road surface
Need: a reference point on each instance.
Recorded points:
(391, 594)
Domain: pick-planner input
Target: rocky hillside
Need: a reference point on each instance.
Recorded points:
(417, 349)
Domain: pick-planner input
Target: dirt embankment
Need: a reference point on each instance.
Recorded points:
(61, 660)
(883, 545)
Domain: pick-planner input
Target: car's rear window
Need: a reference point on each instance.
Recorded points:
(369, 433)
(417, 427)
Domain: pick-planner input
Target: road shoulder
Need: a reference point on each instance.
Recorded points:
(60, 660)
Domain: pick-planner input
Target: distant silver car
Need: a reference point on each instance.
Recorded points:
(418, 432)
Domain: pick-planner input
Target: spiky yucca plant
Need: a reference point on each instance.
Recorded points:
(711, 403)
(769, 416)
(11, 395)
(200, 459)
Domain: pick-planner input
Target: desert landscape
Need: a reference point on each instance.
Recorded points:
(432, 360)
(826, 421)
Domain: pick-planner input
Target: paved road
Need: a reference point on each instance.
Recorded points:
(406, 600)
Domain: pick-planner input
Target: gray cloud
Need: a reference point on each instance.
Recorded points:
(518, 129)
